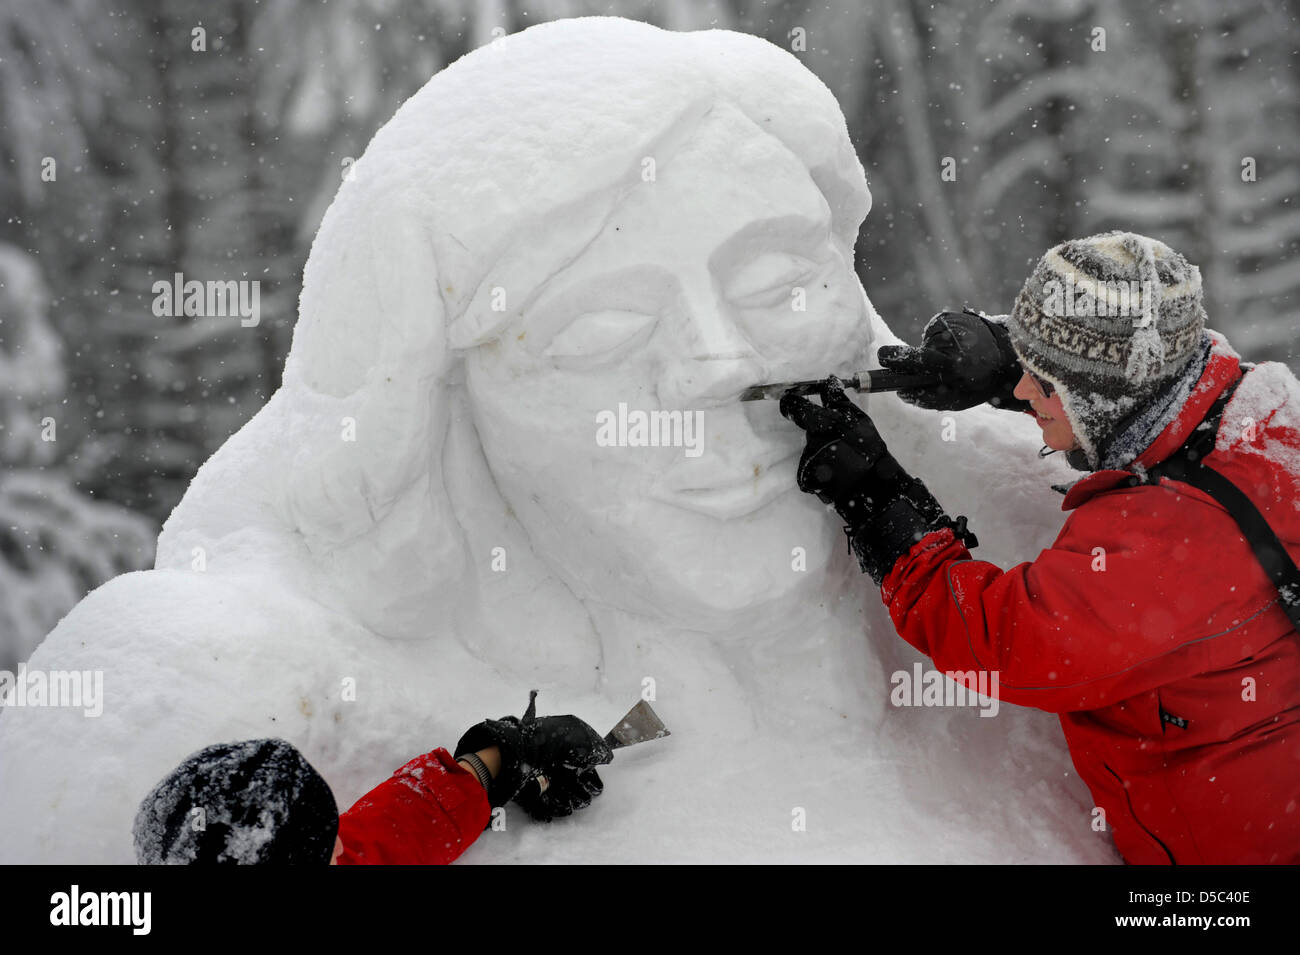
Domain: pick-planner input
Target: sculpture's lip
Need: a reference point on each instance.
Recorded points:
(768, 479)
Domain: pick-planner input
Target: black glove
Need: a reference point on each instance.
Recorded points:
(563, 749)
(971, 356)
(566, 793)
(846, 464)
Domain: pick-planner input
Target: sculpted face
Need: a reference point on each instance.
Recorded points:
(718, 274)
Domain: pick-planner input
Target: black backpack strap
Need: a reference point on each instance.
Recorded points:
(1187, 464)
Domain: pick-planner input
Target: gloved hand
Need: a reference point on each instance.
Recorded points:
(562, 749)
(847, 465)
(971, 356)
(842, 450)
(564, 794)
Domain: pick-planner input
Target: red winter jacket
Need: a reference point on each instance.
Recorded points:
(426, 813)
(1151, 629)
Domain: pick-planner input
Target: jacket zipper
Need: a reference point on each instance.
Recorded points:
(1133, 812)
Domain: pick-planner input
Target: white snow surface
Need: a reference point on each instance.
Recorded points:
(587, 213)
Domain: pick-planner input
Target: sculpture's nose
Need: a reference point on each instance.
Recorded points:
(714, 361)
(705, 382)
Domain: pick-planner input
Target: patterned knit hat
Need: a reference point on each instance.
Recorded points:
(1112, 321)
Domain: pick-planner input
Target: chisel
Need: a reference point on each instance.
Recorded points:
(877, 379)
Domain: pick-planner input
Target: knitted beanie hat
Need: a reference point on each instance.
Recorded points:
(1110, 321)
(244, 803)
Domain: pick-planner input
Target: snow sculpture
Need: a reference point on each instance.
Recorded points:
(582, 223)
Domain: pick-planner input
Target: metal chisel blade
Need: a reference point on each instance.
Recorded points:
(878, 379)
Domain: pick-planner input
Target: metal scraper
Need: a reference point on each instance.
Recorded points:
(639, 726)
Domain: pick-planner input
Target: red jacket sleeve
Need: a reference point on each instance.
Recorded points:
(1141, 588)
(426, 813)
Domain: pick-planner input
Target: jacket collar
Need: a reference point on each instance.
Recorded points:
(1223, 368)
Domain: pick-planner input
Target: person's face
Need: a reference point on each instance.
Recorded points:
(1048, 412)
(717, 275)
(338, 851)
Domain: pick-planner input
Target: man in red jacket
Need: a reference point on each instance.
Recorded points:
(1149, 626)
(260, 801)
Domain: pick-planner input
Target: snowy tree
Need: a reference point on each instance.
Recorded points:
(56, 543)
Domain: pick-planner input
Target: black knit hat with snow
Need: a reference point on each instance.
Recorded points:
(245, 803)
(1116, 322)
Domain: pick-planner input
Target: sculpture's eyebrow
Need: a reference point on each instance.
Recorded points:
(779, 234)
(638, 288)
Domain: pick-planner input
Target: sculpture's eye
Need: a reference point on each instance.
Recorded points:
(600, 336)
(769, 280)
